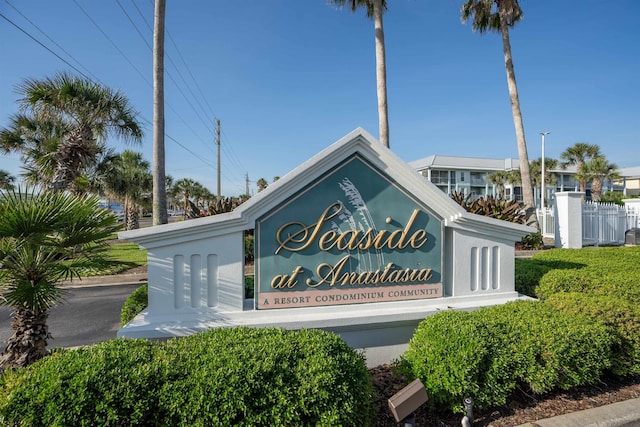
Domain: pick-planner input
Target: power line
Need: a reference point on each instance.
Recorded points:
(135, 68)
(90, 79)
(42, 44)
(227, 149)
(51, 40)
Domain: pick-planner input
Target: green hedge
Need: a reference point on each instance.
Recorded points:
(234, 376)
(602, 271)
(621, 316)
(486, 353)
(110, 384)
(134, 304)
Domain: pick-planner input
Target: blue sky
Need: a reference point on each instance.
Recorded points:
(289, 77)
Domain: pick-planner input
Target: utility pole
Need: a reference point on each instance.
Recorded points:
(218, 143)
(246, 184)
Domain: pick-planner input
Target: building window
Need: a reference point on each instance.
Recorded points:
(478, 178)
(517, 193)
(439, 177)
(453, 177)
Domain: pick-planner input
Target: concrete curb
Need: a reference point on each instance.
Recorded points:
(116, 279)
(625, 413)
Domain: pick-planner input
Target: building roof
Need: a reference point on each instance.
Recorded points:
(455, 162)
(632, 172)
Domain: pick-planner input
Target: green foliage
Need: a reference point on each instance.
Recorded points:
(46, 237)
(506, 210)
(114, 383)
(248, 248)
(485, 354)
(533, 241)
(528, 273)
(226, 376)
(265, 377)
(621, 317)
(598, 271)
(135, 303)
(613, 197)
(248, 286)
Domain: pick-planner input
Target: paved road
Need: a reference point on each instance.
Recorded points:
(89, 315)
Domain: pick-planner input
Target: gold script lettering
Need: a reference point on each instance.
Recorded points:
(296, 236)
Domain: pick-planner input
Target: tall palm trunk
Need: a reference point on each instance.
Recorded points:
(131, 215)
(159, 182)
(581, 181)
(527, 188)
(381, 74)
(75, 150)
(596, 189)
(29, 340)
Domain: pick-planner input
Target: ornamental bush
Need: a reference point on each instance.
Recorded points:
(602, 271)
(134, 304)
(485, 354)
(114, 383)
(231, 376)
(621, 316)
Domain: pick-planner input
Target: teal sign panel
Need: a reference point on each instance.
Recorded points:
(354, 236)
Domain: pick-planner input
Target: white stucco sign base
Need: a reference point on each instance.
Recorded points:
(353, 241)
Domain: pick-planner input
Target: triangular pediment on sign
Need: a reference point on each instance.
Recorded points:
(358, 142)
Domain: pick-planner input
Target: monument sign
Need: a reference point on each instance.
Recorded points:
(353, 241)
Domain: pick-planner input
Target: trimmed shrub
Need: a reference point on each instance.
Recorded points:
(528, 273)
(456, 355)
(619, 315)
(601, 271)
(533, 241)
(234, 376)
(245, 376)
(110, 384)
(134, 304)
(485, 354)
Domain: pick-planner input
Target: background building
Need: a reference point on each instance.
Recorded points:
(470, 176)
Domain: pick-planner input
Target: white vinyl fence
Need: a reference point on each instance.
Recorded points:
(603, 224)
(633, 217)
(547, 221)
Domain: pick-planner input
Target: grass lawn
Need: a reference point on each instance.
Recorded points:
(122, 256)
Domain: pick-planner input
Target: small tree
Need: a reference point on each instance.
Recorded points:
(262, 184)
(45, 237)
(6, 180)
(599, 169)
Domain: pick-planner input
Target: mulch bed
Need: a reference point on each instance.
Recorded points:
(523, 407)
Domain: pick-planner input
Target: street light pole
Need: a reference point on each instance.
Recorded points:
(542, 186)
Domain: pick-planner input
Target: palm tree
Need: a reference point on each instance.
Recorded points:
(598, 170)
(6, 180)
(87, 112)
(159, 209)
(550, 178)
(262, 184)
(185, 187)
(578, 154)
(130, 183)
(97, 174)
(37, 140)
(45, 237)
(498, 16)
(375, 9)
(498, 178)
